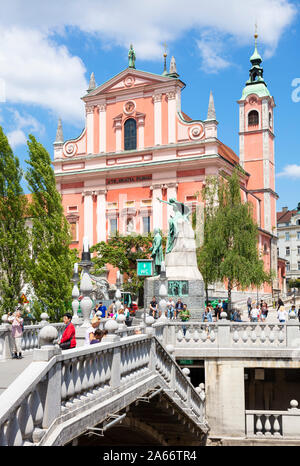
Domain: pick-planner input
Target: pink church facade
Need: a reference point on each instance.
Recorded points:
(138, 145)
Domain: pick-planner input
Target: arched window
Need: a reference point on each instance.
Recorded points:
(130, 134)
(253, 118)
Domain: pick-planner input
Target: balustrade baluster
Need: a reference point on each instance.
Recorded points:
(253, 334)
(245, 334)
(271, 334)
(3, 439)
(262, 335)
(281, 333)
(276, 426)
(196, 335)
(179, 335)
(235, 335)
(258, 426)
(36, 408)
(203, 335)
(13, 432)
(25, 419)
(268, 426)
(212, 334)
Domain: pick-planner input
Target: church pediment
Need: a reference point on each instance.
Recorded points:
(130, 79)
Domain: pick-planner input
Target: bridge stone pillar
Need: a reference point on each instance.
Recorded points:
(225, 397)
(51, 387)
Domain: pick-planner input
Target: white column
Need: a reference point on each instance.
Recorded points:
(157, 206)
(141, 125)
(101, 215)
(90, 130)
(171, 117)
(118, 131)
(102, 127)
(157, 119)
(88, 216)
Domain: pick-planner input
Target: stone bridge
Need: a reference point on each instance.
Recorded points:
(128, 387)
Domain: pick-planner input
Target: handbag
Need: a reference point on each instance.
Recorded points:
(66, 344)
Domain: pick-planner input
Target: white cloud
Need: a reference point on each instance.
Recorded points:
(17, 136)
(39, 70)
(290, 171)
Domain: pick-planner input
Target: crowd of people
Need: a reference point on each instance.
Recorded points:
(257, 312)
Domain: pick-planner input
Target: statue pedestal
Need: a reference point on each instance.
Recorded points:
(194, 299)
(184, 279)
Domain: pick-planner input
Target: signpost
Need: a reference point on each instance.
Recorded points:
(144, 269)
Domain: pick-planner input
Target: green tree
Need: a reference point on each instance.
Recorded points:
(14, 241)
(230, 244)
(122, 251)
(50, 268)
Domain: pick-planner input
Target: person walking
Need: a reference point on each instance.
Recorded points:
(249, 305)
(264, 312)
(101, 309)
(184, 316)
(255, 313)
(282, 315)
(279, 303)
(17, 333)
(68, 340)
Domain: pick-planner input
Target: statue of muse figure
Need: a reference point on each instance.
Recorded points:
(181, 211)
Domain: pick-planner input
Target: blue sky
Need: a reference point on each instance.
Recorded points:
(49, 49)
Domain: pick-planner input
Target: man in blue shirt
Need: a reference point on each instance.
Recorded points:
(102, 309)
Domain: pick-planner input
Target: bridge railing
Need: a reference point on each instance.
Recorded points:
(273, 424)
(58, 384)
(227, 334)
(30, 337)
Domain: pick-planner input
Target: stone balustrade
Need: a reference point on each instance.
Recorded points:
(30, 338)
(273, 424)
(66, 386)
(224, 334)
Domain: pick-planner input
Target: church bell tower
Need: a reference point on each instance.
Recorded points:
(256, 134)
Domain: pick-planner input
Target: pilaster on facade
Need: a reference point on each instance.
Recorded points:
(157, 99)
(157, 206)
(101, 214)
(171, 96)
(89, 129)
(88, 215)
(102, 127)
(140, 122)
(118, 132)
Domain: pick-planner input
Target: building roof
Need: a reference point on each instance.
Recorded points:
(285, 215)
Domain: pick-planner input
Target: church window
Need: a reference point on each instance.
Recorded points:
(146, 225)
(130, 134)
(113, 226)
(253, 118)
(73, 231)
